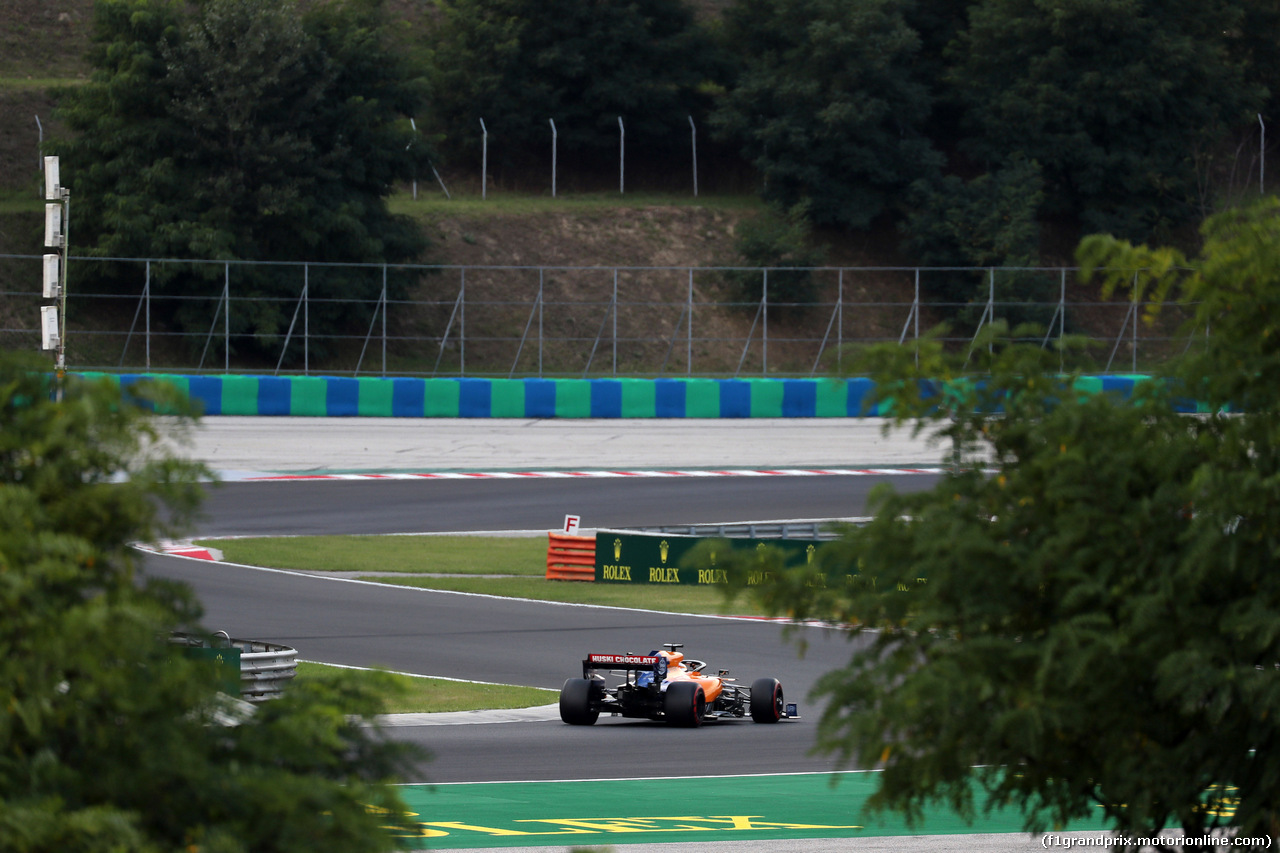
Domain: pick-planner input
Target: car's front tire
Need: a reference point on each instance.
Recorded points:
(575, 702)
(684, 704)
(766, 700)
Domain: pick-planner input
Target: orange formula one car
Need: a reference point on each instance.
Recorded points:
(664, 685)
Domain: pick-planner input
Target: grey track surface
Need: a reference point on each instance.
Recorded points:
(520, 642)
(415, 506)
(233, 444)
(528, 642)
(537, 644)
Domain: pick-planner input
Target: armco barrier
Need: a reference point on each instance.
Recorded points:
(539, 398)
(265, 669)
(571, 558)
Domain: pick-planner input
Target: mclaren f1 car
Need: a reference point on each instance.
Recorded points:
(665, 685)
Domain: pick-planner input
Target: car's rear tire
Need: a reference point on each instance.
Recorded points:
(766, 700)
(575, 702)
(685, 704)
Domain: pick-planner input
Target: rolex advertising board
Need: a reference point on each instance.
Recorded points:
(643, 558)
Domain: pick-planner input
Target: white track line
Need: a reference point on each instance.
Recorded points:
(605, 474)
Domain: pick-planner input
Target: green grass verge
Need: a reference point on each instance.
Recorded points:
(433, 695)
(431, 203)
(383, 554)
(404, 560)
(407, 560)
(681, 599)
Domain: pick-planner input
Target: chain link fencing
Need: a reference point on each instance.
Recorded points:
(553, 321)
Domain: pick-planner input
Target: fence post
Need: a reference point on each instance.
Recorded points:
(462, 324)
(822, 345)
(764, 328)
(693, 132)
(384, 321)
(915, 309)
(306, 319)
(840, 322)
(1062, 320)
(991, 302)
(148, 298)
(484, 161)
(615, 321)
(553, 156)
(226, 319)
(1262, 157)
(213, 327)
(293, 321)
(1134, 361)
(528, 325)
(128, 339)
(373, 321)
(540, 314)
(622, 157)
(688, 359)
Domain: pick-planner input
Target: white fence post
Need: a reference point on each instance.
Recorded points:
(693, 133)
(484, 161)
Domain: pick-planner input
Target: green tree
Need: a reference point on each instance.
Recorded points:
(245, 131)
(828, 107)
(110, 739)
(518, 64)
(781, 241)
(1081, 618)
(1113, 98)
(989, 221)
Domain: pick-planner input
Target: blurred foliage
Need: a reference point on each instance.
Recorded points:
(1081, 615)
(111, 738)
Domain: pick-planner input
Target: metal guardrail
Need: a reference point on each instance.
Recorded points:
(824, 529)
(265, 668)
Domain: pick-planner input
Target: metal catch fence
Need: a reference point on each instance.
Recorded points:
(521, 321)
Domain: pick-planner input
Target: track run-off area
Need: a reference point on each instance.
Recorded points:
(529, 781)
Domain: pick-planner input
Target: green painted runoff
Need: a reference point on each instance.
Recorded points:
(645, 811)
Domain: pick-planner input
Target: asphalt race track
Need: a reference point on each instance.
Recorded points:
(536, 643)
(419, 506)
(522, 642)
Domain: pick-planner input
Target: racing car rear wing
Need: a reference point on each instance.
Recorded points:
(629, 663)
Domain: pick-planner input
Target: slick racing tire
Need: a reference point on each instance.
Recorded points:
(685, 704)
(575, 702)
(766, 700)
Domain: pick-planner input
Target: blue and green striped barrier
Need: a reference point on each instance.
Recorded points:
(329, 396)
